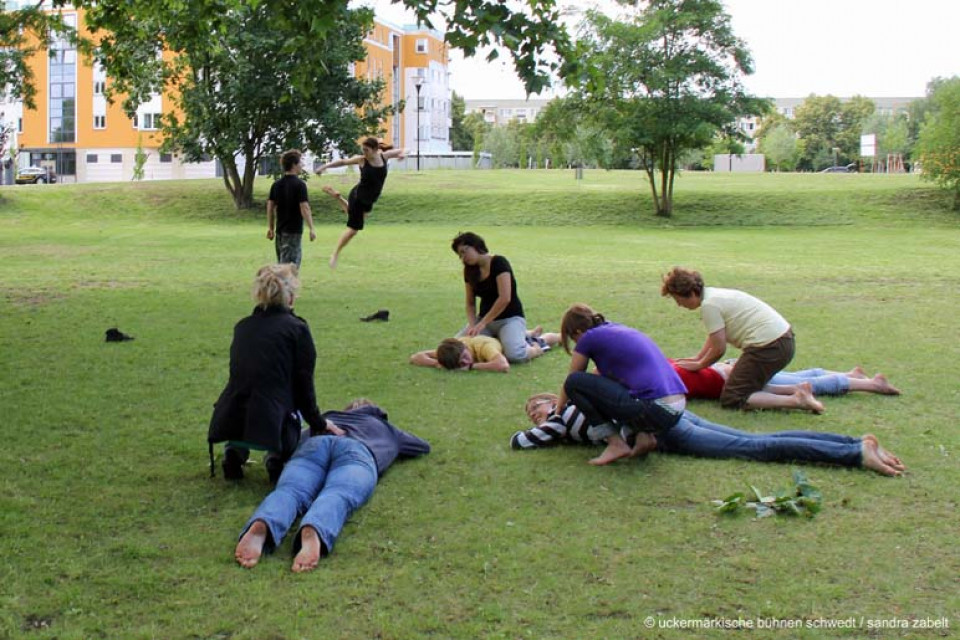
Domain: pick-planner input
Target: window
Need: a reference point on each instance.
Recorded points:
(92, 158)
(421, 45)
(99, 122)
(116, 158)
(19, 125)
(166, 157)
(150, 121)
(99, 86)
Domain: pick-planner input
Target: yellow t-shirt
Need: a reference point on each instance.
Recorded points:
(483, 348)
(748, 321)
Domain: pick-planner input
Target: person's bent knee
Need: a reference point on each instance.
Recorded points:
(732, 401)
(516, 353)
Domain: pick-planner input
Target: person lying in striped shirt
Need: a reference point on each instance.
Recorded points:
(693, 435)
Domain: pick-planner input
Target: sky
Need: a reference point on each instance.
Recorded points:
(874, 48)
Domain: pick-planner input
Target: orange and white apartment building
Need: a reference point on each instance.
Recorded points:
(75, 132)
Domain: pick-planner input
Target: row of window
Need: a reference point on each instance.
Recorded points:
(116, 158)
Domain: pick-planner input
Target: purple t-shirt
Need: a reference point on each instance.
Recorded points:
(632, 359)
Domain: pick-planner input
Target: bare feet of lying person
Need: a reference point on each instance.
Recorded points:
(250, 547)
(311, 548)
(806, 400)
(885, 456)
(883, 385)
(857, 372)
(616, 449)
(873, 460)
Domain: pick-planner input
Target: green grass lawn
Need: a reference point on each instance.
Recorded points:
(111, 528)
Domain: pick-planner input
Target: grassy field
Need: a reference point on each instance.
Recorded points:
(110, 527)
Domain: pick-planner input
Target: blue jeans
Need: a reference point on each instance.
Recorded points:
(604, 401)
(823, 383)
(327, 479)
(512, 334)
(696, 436)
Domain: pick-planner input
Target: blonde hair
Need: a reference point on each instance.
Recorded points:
(578, 319)
(276, 285)
(540, 398)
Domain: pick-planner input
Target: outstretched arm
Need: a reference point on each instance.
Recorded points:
(399, 154)
(342, 162)
(503, 299)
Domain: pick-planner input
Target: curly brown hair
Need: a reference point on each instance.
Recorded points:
(682, 282)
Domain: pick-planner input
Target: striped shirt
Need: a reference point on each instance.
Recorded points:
(568, 426)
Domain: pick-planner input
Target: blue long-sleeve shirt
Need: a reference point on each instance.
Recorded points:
(369, 425)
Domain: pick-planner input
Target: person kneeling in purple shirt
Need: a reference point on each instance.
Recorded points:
(328, 478)
(636, 387)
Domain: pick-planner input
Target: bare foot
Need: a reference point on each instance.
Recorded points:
(805, 399)
(536, 332)
(888, 458)
(333, 193)
(333, 261)
(884, 386)
(616, 449)
(857, 372)
(309, 555)
(250, 547)
(646, 442)
(870, 459)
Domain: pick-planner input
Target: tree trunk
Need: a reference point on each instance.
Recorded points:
(241, 189)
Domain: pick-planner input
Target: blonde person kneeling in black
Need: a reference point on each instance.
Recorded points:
(272, 359)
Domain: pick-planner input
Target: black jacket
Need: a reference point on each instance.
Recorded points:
(272, 359)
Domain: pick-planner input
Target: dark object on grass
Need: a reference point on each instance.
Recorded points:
(232, 464)
(115, 335)
(382, 314)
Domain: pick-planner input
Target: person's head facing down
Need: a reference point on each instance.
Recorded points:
(578, 319)
(290, 160)
(276, 285)
(539, 407)
(685, 286)
(453, 354)
(372, 146)
(469, 247)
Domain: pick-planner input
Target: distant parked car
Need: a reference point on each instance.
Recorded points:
(36, 175)
(850, 168)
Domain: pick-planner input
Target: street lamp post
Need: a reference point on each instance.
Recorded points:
(419, 85)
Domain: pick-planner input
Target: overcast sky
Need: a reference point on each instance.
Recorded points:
(874, 48)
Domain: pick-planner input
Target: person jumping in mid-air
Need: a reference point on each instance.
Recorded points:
(360, 201)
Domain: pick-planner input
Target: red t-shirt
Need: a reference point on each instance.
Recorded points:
(705, 383)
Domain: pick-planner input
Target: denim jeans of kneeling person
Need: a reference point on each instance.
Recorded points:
(326, 480)
(605, 402)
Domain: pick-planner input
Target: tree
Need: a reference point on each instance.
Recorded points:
(664, 80)
(226, 105)
(939, 144)
(779, 145)
(461, 138)
(830, 129)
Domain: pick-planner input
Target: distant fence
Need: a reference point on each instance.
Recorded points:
(448, 160)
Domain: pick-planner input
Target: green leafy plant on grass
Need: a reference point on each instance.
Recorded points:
(803, 499)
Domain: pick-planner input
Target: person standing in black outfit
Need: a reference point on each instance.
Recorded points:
(373, 173)
(272, 360)
(287, 209)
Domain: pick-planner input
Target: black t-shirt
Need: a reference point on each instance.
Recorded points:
(487, 290)
(287, 193)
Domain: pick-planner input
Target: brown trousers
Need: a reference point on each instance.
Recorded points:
(754, 369)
